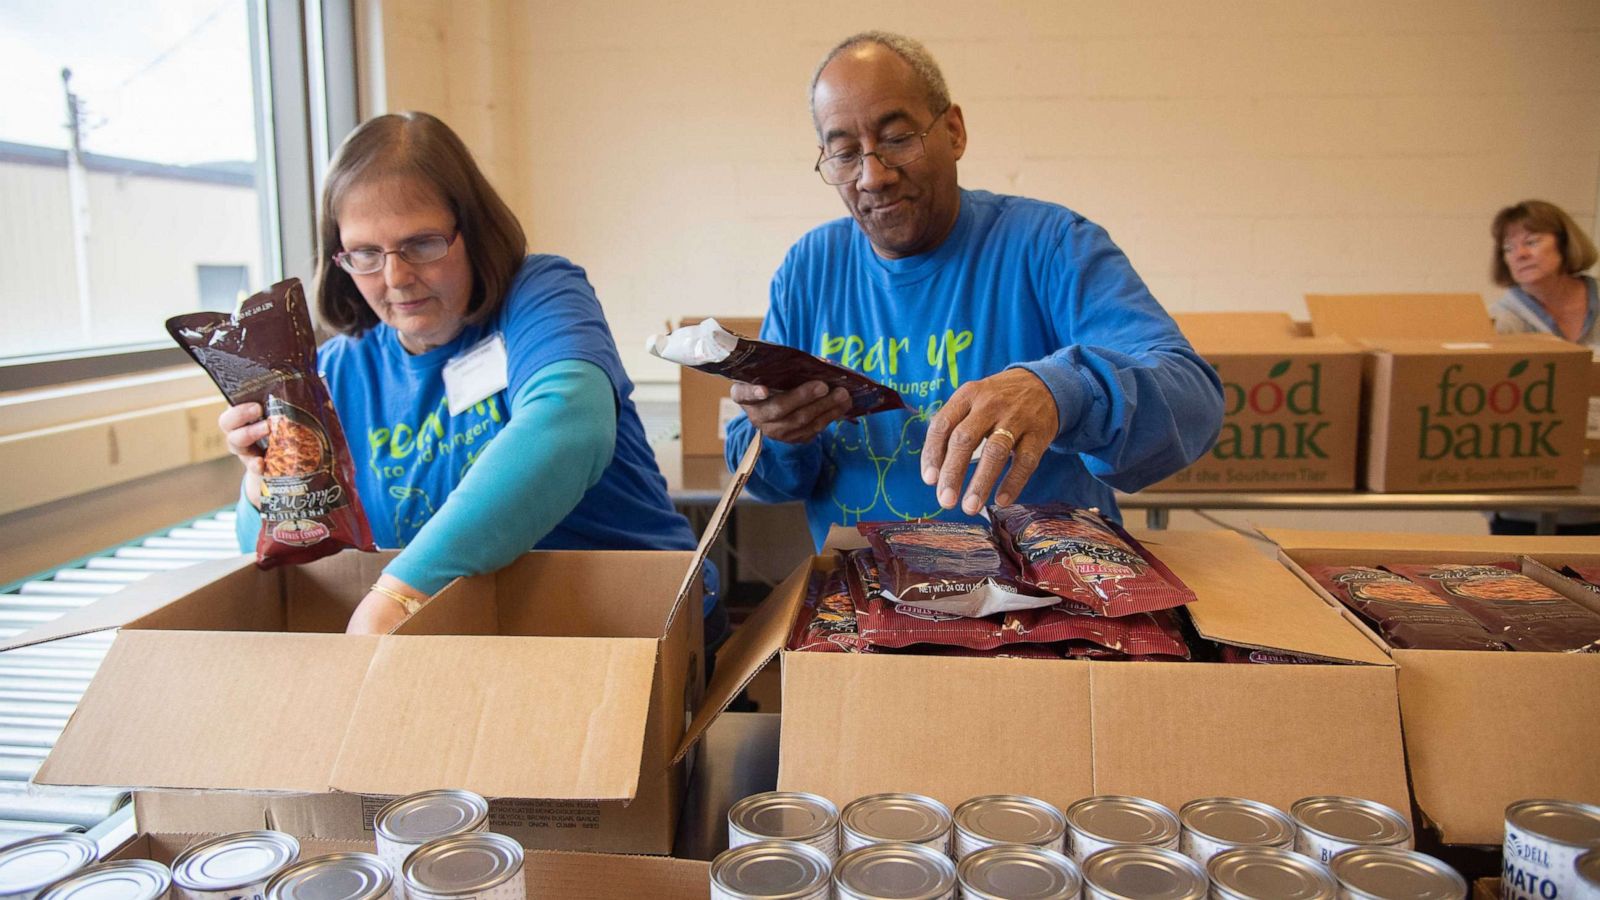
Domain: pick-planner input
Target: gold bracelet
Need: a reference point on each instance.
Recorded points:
(410, 604)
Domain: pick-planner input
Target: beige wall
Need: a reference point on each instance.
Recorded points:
(1243, 153)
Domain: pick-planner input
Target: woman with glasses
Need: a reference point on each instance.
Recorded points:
(478, 385)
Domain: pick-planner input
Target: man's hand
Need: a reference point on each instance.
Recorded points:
(1017, 415)
(796, 416)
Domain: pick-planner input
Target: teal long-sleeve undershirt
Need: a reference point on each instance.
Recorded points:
(559, 440)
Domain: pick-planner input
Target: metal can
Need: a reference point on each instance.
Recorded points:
(128, 879)
(785, 816)
(1018, 872)
(1133, 872)
(767, 870)
(1544, 839)
(1329, 825)
(894, 871)
(1096, 823)
(1588, 870)
(481, 866)
(410, 822)
(1007, 819)
(233, 865)
(30, 865)
(1390, 873)
(337, 876)
(895, 818)
(1268, 873)
(1215, 824)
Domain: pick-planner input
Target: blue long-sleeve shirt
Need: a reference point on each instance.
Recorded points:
(1017, 282)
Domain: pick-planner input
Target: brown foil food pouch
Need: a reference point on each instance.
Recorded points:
(1231, 654)
(1586, 576)
(1404, 613)
(266, 353)
(948, 567)
(1513, 607)
(827, 621)
(1138, 634)
(882, 622)
(1081, 556)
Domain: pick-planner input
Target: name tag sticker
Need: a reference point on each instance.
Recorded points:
(476, 375)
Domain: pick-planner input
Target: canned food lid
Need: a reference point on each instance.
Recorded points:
(912, 818)
(234, 860)
(894, 871)
(1009, 819)
(1124, 820)
(784, 815)
(1270, 873)
(32, 863)
(1574, 824)
(337, 876)
(1353, 820)
(1229, 820)
(464, 864)
(129, 879)
(1589, 868)
(773, 870)
(1389, 872)
(1144, 873)
(1018, 873)
(430, 815)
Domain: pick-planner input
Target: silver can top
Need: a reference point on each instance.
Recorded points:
(431, 815)
(1390, 873)
(784, 815)
(1562, 821)
(894, 871)
(1013, 872)
(1588, 867)
(234, 860)
(1351, 820)
(1144, 873)
(463, 864)
(772, 870)
(911, 818)
(1123, 820)
(32, 863)
(337, 876)
(128, 879)
(1269, 873)
(1010, 819)
(1238, 822)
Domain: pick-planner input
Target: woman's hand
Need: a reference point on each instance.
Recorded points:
(243, 428)
(378, 612)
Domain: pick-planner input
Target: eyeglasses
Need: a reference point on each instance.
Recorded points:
(1527, 242)
(422, 249)
(892, 153)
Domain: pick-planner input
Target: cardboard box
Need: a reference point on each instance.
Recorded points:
(559, 687)
(1482, 729)
(703, 402)
(1450, 406)
(1291, 415)
(1062, 730)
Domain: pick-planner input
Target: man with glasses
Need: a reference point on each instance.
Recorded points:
(1009, 324)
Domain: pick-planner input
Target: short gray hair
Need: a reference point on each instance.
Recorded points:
(908, 49)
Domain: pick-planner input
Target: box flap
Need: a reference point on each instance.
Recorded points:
(1508, 545)
(1448, 317)
(1214, 326)
(132, 602)
(616, 877)
(219, 710)
(719, 518)
(555, 718)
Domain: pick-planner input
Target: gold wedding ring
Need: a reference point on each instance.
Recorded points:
(1011, 439)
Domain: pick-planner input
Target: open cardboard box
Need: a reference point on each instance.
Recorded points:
(952, 728)
(1290, 420)
(1482, 729)
(1451, 406)
(704, 407)
(559, 687)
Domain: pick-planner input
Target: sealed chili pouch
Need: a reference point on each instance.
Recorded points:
(1404, 613)
(266, 353)
(1253, 655)
(1586, 576)
(1081, 556)
(948, 567)
(827, 621)
(1513, 607)
(881, 621)
(1139, 634)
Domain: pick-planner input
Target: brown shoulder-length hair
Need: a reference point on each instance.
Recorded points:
(416, 147)
(1577, 251)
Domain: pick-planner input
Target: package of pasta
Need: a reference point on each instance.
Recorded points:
(1513, 607)
(827, 621)
(1081, 556)
(1404, 613)
(882, 621)
(1138, 634)
(949, 567)
(266, 353)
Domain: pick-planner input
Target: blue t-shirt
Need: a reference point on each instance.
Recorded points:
(1017, 281)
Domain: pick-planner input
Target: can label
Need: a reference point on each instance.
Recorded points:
(513, 888)
(1534, 868)
(1200, 848)
(1084, 846)
(254, 891)
(1318, 847)
(827, 841)
(968, 844)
